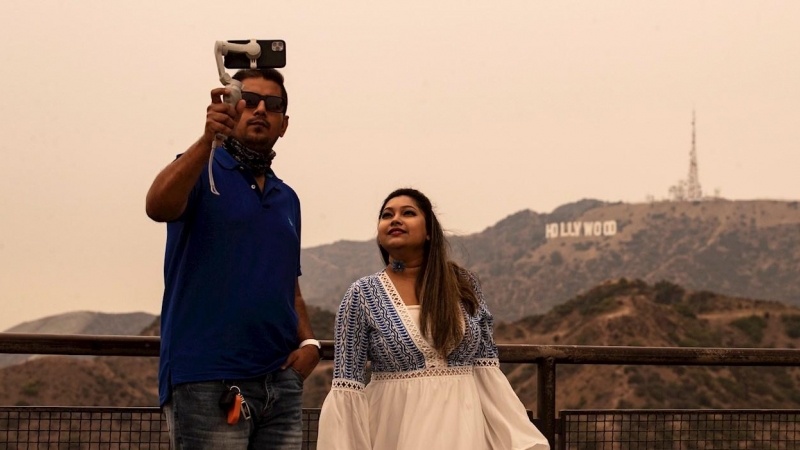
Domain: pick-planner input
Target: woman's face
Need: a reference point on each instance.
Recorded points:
(401, 226)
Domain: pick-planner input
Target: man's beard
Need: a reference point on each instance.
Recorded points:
(263, 145)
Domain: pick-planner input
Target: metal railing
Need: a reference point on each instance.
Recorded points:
(545, 357)
(679, 429)
(34, 427)
(108, 428)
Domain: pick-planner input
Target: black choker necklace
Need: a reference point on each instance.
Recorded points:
(398, 266)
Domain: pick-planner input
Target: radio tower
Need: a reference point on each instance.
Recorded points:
(693, 189)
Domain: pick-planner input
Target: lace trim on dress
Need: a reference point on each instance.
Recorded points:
(436, 372)
(432, 358)
(486, 362)
(346, 385)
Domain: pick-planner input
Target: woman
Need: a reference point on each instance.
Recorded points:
(423, 324)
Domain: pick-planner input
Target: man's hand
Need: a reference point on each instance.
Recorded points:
(220, 116)
(303, 360)
(168, 195)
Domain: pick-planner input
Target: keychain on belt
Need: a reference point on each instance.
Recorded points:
(234, 403)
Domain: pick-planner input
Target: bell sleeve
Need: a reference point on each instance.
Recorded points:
(505, 418)
(344, 419)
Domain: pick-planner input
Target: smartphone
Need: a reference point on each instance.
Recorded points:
(273, 55)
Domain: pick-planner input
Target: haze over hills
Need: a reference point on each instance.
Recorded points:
(87, 322)
(740, 248)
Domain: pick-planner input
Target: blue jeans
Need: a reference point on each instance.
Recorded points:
(196, 421)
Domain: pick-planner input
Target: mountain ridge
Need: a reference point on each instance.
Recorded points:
(746, 248)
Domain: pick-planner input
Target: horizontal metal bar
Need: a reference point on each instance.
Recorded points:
(100, 409)
(62, 344)
(681, 356)
(677, 411)
(81, 409)
(79, 344)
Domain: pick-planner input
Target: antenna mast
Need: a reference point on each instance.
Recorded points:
(693, 189)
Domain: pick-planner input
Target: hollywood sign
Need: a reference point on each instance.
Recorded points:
(577, 229)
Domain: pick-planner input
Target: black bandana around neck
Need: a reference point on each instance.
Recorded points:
(255, 161)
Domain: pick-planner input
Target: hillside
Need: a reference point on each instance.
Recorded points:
(634, 313)
(80, 322)
(741, 248)
(614, 313)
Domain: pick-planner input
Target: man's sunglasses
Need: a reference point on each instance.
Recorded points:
(271, 102)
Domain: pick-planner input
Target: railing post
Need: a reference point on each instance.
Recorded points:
(546, 398)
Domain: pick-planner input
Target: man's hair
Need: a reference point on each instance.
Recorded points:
(441, 286)
(267, 74)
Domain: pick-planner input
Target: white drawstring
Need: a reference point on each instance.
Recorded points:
(217, 142)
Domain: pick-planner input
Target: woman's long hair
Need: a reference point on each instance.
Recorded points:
(441, 285)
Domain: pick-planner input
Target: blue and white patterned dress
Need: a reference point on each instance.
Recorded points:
(416, 399)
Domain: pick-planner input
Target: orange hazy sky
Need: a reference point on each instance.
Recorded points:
(489, 107)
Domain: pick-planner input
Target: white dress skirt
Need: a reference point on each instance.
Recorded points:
(464, 408)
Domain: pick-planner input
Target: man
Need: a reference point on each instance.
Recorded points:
(233, 319)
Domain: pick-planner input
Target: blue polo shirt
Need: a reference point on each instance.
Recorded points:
(231, 264)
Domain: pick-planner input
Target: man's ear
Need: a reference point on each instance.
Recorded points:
(284, 125)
